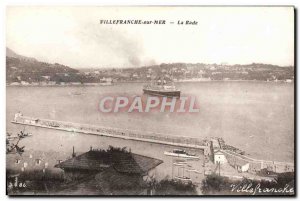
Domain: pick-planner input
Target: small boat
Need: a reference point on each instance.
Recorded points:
(183, 178)
(23, 134)
(194, 170)
(75, 93)
(184, 162)
(10, 138)
(178, 164)
(28, 134)
(178, 160)
(180, 153)
(71, 129)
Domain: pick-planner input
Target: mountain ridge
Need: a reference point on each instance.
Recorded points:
(21, 68)
(11, 53)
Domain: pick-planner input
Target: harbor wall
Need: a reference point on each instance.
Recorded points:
(233, 158)
(238, 160)
(152, 137)
(256, 165)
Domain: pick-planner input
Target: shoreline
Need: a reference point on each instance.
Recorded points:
(128, 82)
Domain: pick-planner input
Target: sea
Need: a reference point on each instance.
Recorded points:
(256, 117)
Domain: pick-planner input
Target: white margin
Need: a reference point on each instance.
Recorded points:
(5, 3)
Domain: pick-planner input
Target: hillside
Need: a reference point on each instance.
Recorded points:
(20, 68)
(198, 71)
(10, 53)
(25, 70)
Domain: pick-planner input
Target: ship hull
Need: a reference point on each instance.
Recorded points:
(180, 155)
(162, 93)
(183, 179)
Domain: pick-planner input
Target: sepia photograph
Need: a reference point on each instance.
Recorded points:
(150, 101)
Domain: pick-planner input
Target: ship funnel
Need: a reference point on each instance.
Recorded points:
(73, 154)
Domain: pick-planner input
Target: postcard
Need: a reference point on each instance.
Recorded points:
(150, 100)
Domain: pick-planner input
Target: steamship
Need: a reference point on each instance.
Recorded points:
(161, 88)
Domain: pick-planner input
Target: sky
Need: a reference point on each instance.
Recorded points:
(73, 36)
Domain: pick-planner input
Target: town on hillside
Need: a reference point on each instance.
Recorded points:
(25, 71)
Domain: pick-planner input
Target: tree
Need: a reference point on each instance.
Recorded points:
(171, 187)
(13, 148)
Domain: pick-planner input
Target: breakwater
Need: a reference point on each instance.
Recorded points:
(181, 141)
(256, 165)
(236, 158)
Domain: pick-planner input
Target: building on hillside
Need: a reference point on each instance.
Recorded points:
(15, 83)
(75, 83)
(106, 79)
(32, 160)
(24, 83)
(219, 157)
(242, 166)
(215, 144)
(46, 77)
(255, 167)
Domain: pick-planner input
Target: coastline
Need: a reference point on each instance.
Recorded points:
(116, 83)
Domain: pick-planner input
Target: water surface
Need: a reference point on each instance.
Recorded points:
(257, 117)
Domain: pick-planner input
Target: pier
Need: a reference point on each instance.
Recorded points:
(207, 146)
(144, 136)
(237, 160)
